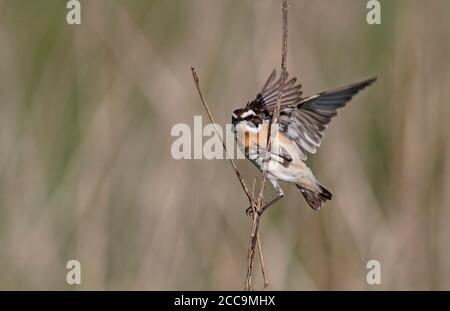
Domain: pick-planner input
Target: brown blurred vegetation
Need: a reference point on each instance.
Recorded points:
(86, 172)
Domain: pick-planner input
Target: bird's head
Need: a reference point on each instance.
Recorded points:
(247, 117)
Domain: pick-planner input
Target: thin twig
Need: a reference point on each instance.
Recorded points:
(277, 107)
(263, 265)
(256, 215)
(238, 174)
(261, 256)
(255, 206)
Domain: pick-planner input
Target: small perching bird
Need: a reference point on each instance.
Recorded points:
(300, 130)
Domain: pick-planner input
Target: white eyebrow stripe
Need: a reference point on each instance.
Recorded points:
(234, 115)
(248, 113)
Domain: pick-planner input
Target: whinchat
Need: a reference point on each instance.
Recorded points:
(300, 130)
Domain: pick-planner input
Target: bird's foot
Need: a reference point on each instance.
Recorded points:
(249, 211)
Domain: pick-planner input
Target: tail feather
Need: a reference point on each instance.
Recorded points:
(315, 199)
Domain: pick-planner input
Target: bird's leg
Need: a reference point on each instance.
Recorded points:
(285, 157)
(280, 194)
(249, 211)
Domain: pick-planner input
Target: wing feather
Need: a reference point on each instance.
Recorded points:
(303, 120)
(266, 100)
(305, 123)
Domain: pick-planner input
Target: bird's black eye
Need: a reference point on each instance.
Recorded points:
(256, 120)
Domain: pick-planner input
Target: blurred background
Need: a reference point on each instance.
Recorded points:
(86, 172)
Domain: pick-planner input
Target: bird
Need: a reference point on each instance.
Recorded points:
(298, 132)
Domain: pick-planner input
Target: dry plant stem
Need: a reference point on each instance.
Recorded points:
(263, 265)
(277, 107)
(261, 256)
(238, 174)
(256, 216)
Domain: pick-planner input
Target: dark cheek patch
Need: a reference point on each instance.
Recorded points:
(256, 121)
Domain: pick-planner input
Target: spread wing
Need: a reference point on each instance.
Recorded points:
(305, 122)
(266, 100)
